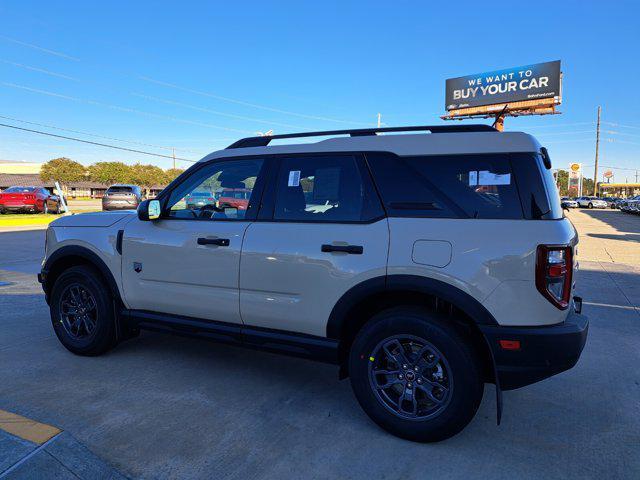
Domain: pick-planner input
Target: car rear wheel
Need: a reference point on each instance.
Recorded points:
(414, 375)
(590, 205)
(82, 311)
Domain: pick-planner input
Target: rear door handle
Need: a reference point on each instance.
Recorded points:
(221, 242)
(353, 249)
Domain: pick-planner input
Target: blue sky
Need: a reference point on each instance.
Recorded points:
(198, 75)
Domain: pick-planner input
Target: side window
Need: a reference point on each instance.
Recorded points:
(220, 191)
(328, 188)
(447, 186)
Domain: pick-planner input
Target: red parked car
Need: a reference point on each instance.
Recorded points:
(29, 199)
(235, 197)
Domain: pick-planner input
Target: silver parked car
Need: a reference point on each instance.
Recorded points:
(568, 202)
(591, 202)
(122, 197)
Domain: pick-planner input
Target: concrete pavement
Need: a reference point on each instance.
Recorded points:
(169, 407)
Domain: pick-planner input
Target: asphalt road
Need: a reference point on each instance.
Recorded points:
(168, 407)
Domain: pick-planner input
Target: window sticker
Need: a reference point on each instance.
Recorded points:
(473, 178)
(294, 178)
(489, 178)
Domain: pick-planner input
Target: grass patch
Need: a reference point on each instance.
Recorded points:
(24, 219)
(28, 219)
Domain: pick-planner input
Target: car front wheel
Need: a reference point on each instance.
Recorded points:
(414, 375)
(82, 311)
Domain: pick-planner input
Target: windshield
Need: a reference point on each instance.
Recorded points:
(20, 189)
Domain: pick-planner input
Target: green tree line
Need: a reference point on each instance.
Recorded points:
(562, 180)
(66, 171)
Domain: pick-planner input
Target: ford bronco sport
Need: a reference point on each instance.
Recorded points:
(424, 265)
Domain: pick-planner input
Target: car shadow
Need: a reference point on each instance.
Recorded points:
(631, 237)
(615, 218)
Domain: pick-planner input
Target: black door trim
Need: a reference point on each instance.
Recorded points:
(278, 341)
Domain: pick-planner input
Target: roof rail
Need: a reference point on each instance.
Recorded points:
(360, 132)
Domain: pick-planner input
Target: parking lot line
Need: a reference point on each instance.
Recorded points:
(26, 428)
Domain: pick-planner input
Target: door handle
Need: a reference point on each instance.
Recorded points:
(353, 249)
(221, 242)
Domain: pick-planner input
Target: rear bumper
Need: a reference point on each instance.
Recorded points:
(544, 351)
(22, 207)
(119, 206)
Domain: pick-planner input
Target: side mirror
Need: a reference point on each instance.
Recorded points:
(149, 210)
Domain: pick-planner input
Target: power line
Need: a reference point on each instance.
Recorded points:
(96, 143)
(42, 49)
(94, 134)
(246, 104)
(40, 70)
(120, 108)
(622, 125)
(614, 132)
(214, 112)
(565, 133)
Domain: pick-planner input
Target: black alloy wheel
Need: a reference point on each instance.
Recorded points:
(410, 377)
(78, 311)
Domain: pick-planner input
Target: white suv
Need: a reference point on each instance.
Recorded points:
(424, 265)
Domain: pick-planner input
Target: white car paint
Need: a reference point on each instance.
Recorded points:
(274, 275)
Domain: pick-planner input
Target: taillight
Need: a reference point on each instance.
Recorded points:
(554, 271)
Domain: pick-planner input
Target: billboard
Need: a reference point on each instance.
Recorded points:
(529, 82)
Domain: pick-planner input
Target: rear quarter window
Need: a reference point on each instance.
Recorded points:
(447, 186)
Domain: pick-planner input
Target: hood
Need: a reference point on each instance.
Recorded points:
(94, 219)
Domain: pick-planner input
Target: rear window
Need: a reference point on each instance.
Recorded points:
(20, 189)
(120, 190)
(447, 186)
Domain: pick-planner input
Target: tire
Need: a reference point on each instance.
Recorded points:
(590, 205)
(81, 282)
(458, 370)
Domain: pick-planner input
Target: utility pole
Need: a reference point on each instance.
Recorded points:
(379, 120)
(173, 154)
(595, 171)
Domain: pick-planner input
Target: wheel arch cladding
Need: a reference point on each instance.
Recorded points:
(70, 256)
(364, 300)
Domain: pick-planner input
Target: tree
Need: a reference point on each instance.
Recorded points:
(562, 180)
(587, 186)
(172, 174)
(147, 176)
(63, 170)
(110, 172)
